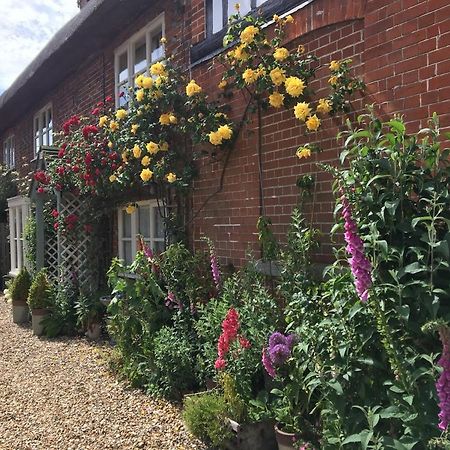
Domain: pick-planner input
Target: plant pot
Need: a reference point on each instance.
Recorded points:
(94, 331)
(251, 436)
(20, 311)
(285, 440)
(37, 315)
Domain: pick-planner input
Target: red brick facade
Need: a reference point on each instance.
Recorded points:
(400, 48)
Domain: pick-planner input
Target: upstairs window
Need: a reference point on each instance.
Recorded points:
(43, 128)
(219, 11)
(135, 56)
(9, 157)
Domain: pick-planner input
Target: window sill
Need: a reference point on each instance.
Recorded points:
(213, 45)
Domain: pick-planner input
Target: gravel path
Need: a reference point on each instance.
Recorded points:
(58, 395)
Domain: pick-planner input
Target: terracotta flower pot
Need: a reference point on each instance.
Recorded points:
(37, 315)
(20, 311)
(285, 440)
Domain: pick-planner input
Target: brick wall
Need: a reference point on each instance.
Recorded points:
(401, 48)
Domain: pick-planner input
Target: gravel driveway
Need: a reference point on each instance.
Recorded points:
(57, 395)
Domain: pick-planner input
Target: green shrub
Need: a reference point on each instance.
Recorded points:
(40, 295)
(205, 417)
(20, 286)
(88, 310)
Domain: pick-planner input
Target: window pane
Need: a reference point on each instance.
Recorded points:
(159, 224)
(140, 59)
(217, 13)
(128, 258)
(144, 221)
(126, 220)
(245, 7)
(123, 94)
(123, 67)
(158, 246)
(157, 47)
(260, 2)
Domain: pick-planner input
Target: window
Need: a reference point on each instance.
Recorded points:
(135, 56)
(43, 128)
(218, 12)
(18, 210)
(9, 157)
(145, 221)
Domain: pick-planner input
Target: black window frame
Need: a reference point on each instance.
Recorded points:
(213, 44)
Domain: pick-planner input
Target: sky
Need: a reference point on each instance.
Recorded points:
(25, 28)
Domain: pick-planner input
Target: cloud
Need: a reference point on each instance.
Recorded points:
(25, 28)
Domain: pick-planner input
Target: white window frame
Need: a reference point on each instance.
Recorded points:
(134, 217)
(43, 135)
(9, 153)
(128, 47)
(219, 11)
(18, 212)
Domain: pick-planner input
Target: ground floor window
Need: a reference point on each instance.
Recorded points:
(145, 221)
(18, 211)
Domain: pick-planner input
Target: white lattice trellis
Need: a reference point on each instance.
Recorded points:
(51, 255)
(72, 247)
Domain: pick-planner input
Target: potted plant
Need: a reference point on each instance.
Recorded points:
(295, 427)
(89, 311)
(39, 301)
(18, 291)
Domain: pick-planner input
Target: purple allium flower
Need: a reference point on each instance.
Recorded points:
(277, 338)
(359, 264)
(267, 363)
(443, 383)
(279, 354)
(291, 340)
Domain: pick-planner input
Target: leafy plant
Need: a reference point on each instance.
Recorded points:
(20, 286)
(88, 310)
(40, 295)
(29, 236)
(205, 416)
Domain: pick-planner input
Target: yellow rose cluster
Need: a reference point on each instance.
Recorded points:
(302, 111)
(193, 89)
(248, 34)
(224, 133)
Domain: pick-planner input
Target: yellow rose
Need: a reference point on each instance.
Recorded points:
(163, 40)
(113, 126)
(313, 123)
(164, 119)
(171, 177)
(294, 86)
(302, 110)
(250, 76)
(281, 54)
(225, 132)
(137, 151)
(215, 138)
(248, 34)
(102, 121)
(139, 81)
(164, 146)
(222, 84)
(152, 148)
(301, 49)
(147, 82)
(112, 178)
(130, 209)
(140, 95)
(276, 100)
(276, 18)
(159, 81)
(110, 144)
(173, 119)
(333, 80)
(335, 66)
(158, 69)
(121, 114)
(237, 6)
(278, 77)
(289, 19)
(240, 53)
(303, 152)
(145, 161)
(146, 175)
(193, 88)
(324, 106)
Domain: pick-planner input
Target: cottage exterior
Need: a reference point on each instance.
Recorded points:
(401, 49)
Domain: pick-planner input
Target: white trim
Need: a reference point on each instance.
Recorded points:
(134, 228)
(18, 211)
(128, 47)
(40, 130)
